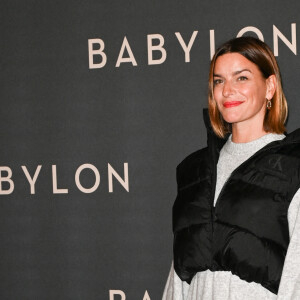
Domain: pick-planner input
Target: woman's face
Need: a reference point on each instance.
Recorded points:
(240, 90)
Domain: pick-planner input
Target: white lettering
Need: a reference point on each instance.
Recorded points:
(97, 178)
(112, 294)
(122, 59)
(32, 180)
(253, 29)
(212, 43)
(100, 52)
(159, 47)
(186, 48)
(54, 183)
(7, 179)
(146, 296)
(278, 34)
(124, 183)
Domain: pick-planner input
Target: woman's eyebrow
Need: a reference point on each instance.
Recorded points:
(240, 71)
(234, 73)
(216, 75)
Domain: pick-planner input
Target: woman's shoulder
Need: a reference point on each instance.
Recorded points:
(291, 143)
(192, 167)
(193, 158)
(294, 136)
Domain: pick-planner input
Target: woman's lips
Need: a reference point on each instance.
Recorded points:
(232, 103)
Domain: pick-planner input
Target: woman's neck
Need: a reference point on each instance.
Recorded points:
(245, 134)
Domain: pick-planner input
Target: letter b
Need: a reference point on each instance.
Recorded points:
(159, 47)
(112, 294)
(7, 179)
(100, 52)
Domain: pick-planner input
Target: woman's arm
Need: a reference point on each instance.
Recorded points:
(289, 288)
(175, 289)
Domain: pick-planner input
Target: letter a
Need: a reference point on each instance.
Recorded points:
(122, 59)
(146, 296)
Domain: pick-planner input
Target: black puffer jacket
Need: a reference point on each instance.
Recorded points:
(247, 232)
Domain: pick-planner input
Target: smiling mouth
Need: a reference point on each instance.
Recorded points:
(232, 103)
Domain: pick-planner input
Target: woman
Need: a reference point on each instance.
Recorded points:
(235, 219)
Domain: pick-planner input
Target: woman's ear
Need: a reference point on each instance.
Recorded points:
(271, 86)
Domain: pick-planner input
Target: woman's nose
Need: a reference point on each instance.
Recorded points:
(227, 89)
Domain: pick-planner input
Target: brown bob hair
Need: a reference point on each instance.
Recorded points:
(261, 55)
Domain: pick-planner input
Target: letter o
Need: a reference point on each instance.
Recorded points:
(97, 178)
(252, 29)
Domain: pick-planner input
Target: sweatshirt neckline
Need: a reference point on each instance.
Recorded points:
(253, 146)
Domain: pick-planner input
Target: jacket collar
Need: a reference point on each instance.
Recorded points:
(213, 141)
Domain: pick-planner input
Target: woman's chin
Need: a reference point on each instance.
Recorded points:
(231, 118)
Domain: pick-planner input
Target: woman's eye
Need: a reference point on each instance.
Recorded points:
(242, 78)
(217, 81)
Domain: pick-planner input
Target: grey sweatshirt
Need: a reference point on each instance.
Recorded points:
(223, 285)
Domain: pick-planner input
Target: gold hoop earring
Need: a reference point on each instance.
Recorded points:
(269, 104)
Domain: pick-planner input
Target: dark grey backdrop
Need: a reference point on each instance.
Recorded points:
(57, 111)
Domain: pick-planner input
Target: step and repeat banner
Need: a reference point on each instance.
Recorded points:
(100, 100)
